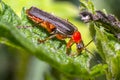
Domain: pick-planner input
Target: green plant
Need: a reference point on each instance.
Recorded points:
(53, 51)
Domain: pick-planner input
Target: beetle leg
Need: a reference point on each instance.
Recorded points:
(69, 44)
(25, 27)
(60, 37)
(50, 37)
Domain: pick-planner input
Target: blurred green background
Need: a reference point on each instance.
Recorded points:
(18, 65)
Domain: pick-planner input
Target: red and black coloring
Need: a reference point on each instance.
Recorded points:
(57, 27)
(109, 22)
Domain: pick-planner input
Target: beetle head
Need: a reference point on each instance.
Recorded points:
(80, 46)
(78, 40)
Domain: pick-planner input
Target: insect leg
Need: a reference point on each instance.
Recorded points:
(69, 44)
(50, 37)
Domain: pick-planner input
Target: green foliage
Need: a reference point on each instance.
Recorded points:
(53, 51)
(108, 46)
(109, 50)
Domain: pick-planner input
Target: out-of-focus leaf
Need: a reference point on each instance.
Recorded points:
(87, 5)
(7, 14)
(96, 72)
(106, 45)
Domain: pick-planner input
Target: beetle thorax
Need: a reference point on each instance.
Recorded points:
(76, 37)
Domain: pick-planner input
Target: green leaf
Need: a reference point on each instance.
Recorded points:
(7, 15)
(52, 51)
(115, 67)
(87, 5)
(95, 71)
(105, 43)
(108, 48)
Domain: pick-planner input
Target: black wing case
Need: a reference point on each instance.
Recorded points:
(62, 26)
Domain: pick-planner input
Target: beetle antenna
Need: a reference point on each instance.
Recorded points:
(92, 55)
(87, 44)
(90, 51)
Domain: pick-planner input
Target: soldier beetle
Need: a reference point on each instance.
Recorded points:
(57, 27)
